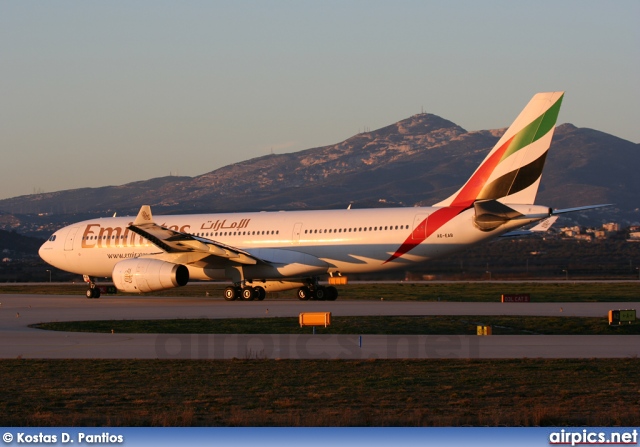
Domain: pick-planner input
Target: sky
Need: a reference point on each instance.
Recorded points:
(106, 93)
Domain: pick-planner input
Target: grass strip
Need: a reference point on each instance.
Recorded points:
(458, 291)
(374, 325)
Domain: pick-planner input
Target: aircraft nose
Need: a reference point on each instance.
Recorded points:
(46, 251)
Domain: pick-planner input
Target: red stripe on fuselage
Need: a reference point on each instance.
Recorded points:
(462, 201)
(437, 219)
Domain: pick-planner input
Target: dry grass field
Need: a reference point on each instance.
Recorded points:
(528, 392)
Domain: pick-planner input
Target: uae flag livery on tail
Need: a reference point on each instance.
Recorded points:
(510, 173)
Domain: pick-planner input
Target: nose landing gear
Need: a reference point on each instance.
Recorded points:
(93, 291)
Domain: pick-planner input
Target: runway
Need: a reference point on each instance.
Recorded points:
(17, 340)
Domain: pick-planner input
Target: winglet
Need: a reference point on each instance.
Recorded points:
(144, 216)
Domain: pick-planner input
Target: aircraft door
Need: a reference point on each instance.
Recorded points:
(71, 235)
(297, 229)
(420, 226)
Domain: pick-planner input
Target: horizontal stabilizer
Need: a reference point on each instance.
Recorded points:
(580, 208)
(542, 227)
(490, 214)
(545, 224)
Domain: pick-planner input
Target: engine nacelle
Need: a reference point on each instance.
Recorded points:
(141, 275)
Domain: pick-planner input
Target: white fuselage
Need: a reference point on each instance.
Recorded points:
(348, 241)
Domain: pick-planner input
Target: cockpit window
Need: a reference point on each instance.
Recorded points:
(52, 238)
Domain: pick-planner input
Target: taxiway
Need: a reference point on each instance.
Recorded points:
(18, 340)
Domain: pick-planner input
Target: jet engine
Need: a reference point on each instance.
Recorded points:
(141, 275)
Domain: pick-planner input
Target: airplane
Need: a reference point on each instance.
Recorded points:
(263, 252)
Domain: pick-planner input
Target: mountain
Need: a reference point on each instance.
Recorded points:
(12, 243)
(417, 161)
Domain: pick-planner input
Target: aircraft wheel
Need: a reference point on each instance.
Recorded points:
(332, 293)
(304, 293)
(230, 293)
(262, 294)
(248, 294)
(93, 292)
(321, 293)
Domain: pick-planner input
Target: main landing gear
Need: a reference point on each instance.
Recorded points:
(319, 293)
(93, 291)
(309, 291)
(233, 293)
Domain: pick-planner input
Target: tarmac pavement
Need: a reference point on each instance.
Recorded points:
(17, 340)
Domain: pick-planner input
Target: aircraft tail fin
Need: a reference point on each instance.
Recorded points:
(511, 172)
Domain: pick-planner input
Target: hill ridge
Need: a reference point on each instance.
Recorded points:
(419, 160)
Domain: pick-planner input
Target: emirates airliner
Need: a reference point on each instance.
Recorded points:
(271, 251)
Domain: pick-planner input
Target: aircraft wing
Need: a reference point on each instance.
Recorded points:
(176, 242)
